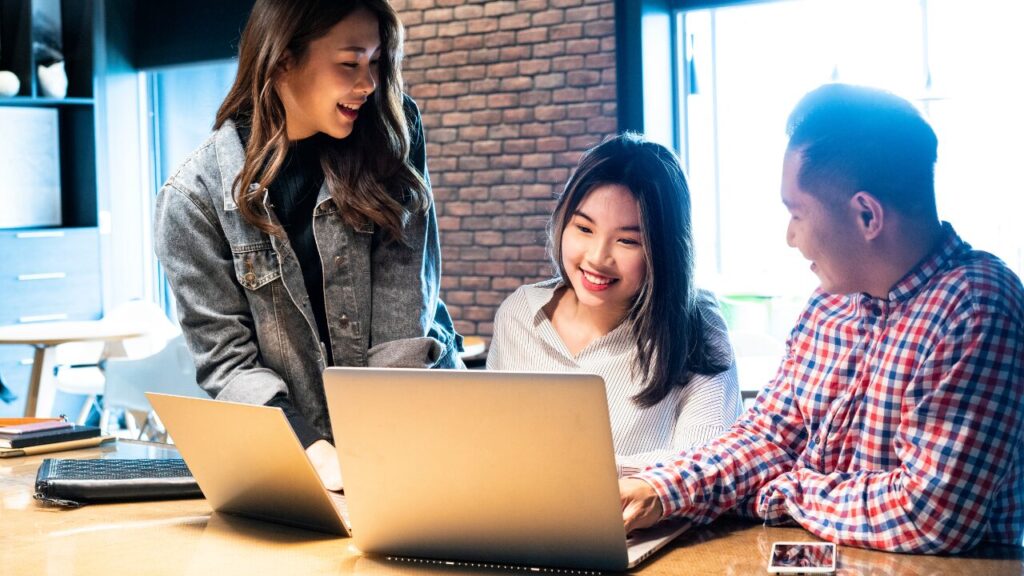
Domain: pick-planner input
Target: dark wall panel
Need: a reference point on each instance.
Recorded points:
(187, 31)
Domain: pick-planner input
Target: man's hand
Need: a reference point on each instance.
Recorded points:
(325, 460)
(641, 507)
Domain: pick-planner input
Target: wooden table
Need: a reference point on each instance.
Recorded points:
(46, 336)
(183, 537)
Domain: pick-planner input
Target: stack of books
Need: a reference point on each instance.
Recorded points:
(24, 436)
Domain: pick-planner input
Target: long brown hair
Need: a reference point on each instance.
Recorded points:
(672, 337)
(367, 173)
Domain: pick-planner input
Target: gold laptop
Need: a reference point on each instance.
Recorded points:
(483, 467)
(248, 461)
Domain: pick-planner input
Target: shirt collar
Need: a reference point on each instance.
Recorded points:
(540, 294)
(949, 248)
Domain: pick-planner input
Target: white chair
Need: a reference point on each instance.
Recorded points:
(169, 371)
(78, 369)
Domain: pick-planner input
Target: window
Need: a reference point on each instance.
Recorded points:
(743, 68)
(183, 104)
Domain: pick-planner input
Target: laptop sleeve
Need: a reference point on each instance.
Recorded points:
(73, 482)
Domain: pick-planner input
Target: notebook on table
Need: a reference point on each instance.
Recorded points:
(483, 467)
(248, 461)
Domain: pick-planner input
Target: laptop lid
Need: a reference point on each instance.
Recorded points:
(248, 461)
(493, 467)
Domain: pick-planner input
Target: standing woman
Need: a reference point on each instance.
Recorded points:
(302, 234)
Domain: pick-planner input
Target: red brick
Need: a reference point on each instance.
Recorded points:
(449, 2)
(509, 53)
(532, 5)
(505, 161)
(566, 63)
(506, 222)
(468, 102)
(442, 135)
(531, 67)
(502, 69)
(608, 44)
(517, 21)
(535, 98)
(459, 297)
(484, 85)
(480, 312)
(438, 15)
(582, 14)
(567, 158)
(420, 62)
(548, 17)
(438, 45)
(453, 58)
(599, 60)
(552, 144)
(583, 78)
(485, 56)
(445, 223)
(421, 32)
(532, 36)
(549, 49)
(586, 141)
(536, 129)
(584, 110)
(516, 84)
(486, 117)
(489, 238)
(499, 39)
(602, 124)
(519, 176)
(473, 193)
(451, 89)
(581, 46)
(534, 252)
(413, 77)
(469, 12)
(453, 178)
(499, 8)
(487, 177)
(598, 28)
(482, 25)
(487, 147)
(504, 253)
(601, 93)
(440, 75)
(567, 31)
(468, 42)
(506, 284)
(476, 282)
(568, 95)
(420, 4)
(441, 163)
(502, 100)
(553, 80)
(553, 175)
(539, 222)
(413, 47)
(503, 131)
(468, 163)
(565, 3)
(549, 113)
(424, 91)
(477, 223)
(520, 207)
(517, 115)
(455, 119)
(490, 298)
(457, 209)
(537, 191)
(537, 161)
(474, 132)
(505, 192)
(471, 72)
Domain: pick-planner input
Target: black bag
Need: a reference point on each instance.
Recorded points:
(71, 482)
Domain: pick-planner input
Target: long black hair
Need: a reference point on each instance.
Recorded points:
(670, 333)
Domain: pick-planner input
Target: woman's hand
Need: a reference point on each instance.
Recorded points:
(325, 460)
(641, 507)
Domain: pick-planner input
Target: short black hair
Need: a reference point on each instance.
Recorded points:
(854, 138)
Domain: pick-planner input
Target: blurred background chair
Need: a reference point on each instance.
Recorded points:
(78, 364)
(170, 370)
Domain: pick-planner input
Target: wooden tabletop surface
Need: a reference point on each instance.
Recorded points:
(183, 537)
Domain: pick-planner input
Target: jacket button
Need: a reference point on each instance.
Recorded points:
(344, 319)
(250, 278)
(337, 260)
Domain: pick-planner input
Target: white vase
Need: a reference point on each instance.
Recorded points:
(9, 83)
(53, 81)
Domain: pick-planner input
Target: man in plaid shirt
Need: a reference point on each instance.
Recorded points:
(896, 420)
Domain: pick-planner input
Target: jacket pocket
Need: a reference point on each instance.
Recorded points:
(256, 265)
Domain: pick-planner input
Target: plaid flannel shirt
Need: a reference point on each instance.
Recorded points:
(893, 423)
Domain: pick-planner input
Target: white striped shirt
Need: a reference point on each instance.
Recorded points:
(525, 340)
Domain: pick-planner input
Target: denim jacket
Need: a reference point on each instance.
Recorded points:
(242, 301)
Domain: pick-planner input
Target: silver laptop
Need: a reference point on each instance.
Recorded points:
(487, 467)
(248, 461)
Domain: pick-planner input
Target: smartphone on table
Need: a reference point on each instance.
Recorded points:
(802, 558)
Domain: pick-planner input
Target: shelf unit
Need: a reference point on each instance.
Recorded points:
(53, 273)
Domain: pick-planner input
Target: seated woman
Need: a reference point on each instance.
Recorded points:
(625, 306)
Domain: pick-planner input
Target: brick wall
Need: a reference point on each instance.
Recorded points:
(511, 93)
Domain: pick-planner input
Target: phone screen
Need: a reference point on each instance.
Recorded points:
(804, 555)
